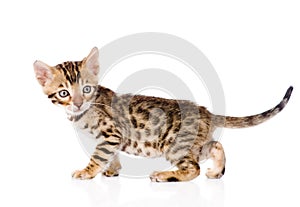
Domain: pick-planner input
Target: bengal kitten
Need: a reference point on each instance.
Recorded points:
(179, 130)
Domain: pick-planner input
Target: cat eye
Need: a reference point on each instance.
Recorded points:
(87, 89)
(63, 93)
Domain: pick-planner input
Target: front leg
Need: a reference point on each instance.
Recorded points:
(89, 172)
(104, 154)
(113, 168)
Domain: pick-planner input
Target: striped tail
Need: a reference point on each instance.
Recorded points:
(248, 121)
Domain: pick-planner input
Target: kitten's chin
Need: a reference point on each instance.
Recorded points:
(75, 113)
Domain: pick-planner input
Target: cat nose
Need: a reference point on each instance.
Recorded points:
(78, 104)
(77, 100)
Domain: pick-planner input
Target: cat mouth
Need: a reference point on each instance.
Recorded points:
(75, 111)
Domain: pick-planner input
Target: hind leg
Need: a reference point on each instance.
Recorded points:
(188, 169)
(214, 150)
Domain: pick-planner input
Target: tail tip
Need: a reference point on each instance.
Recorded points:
(288, 93)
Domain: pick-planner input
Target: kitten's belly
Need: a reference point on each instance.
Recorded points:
(145, 147)
(139, 142)
(141, 148)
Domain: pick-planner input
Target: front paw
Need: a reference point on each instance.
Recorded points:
(109, 173)
(82, 175)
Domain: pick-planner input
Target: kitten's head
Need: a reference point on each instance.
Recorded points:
(70, 84)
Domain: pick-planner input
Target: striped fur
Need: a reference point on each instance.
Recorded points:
(179, 130)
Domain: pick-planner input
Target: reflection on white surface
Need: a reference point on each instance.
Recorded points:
(141, 192)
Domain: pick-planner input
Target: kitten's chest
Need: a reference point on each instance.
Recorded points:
(88, 127)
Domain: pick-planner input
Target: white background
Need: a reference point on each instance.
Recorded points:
(253, 46)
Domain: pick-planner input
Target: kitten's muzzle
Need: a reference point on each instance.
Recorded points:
(78, 108)
(78, 104)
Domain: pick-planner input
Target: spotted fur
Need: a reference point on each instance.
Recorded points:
(179, 130)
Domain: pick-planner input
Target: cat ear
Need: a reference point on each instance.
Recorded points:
(42, 72)
(92, 61)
